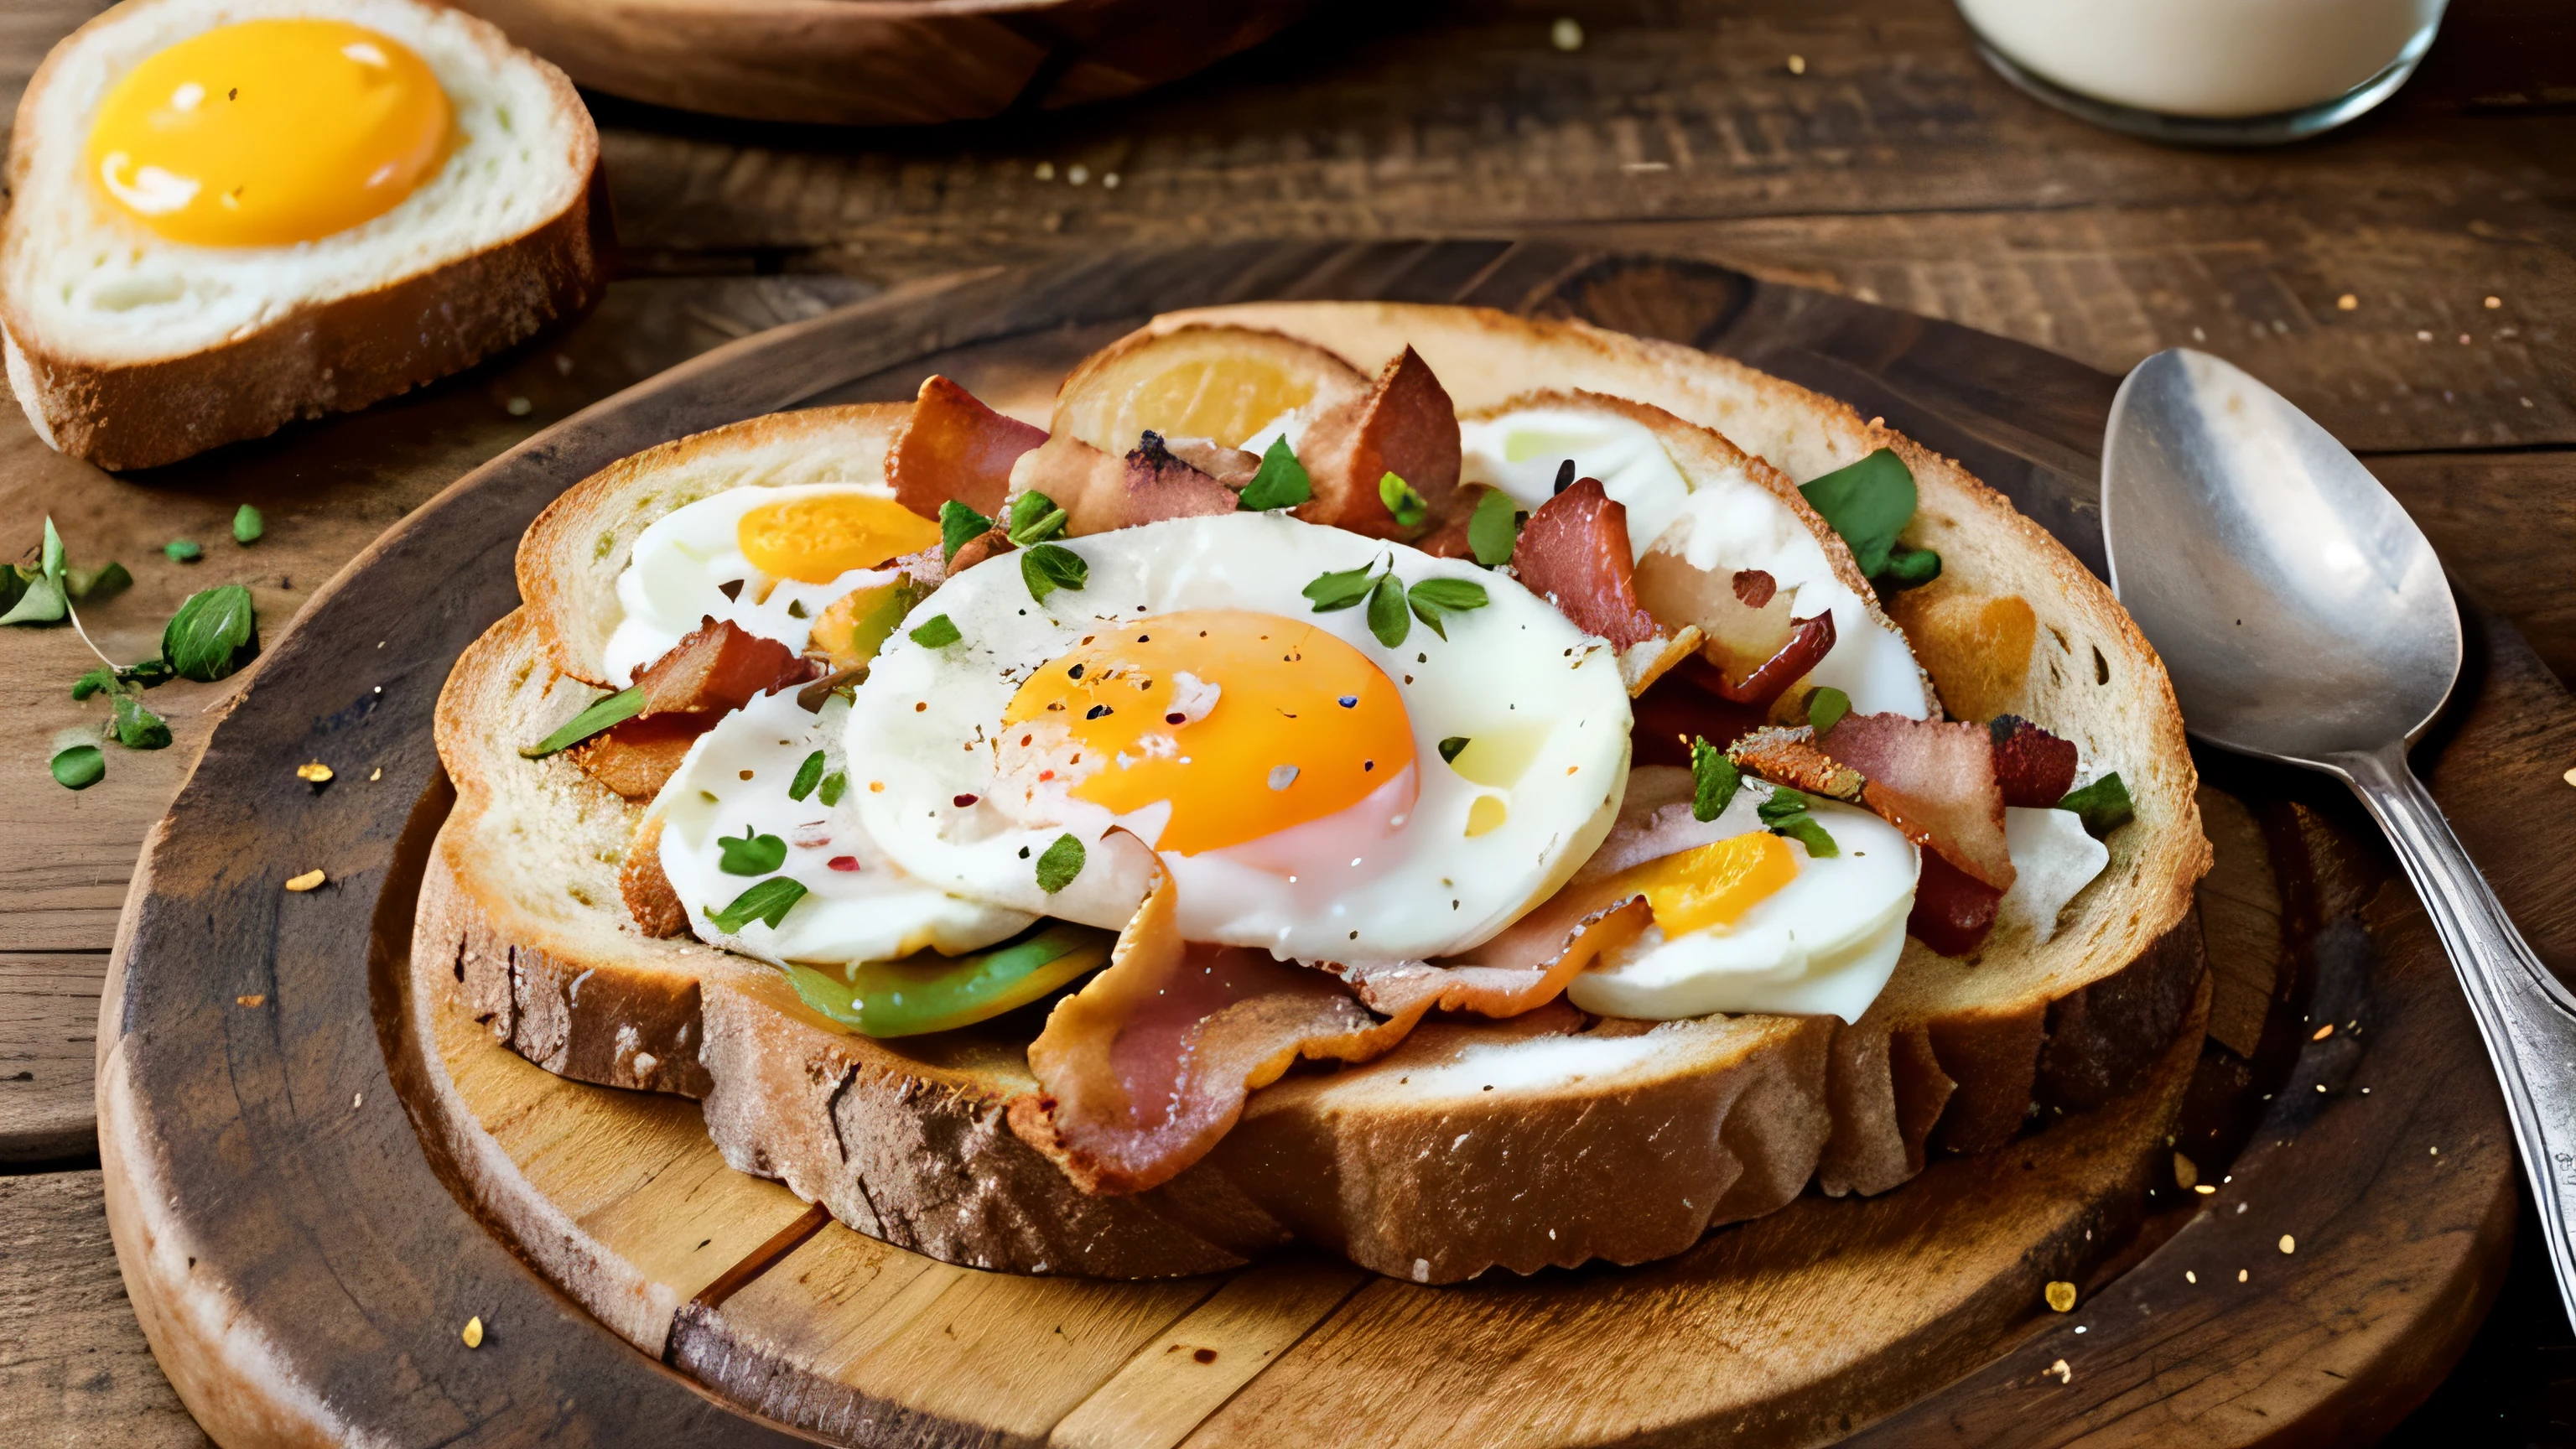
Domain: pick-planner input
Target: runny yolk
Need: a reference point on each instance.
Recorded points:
(818, 538)
(270, 132)
(1303, 726)
(1714, 884)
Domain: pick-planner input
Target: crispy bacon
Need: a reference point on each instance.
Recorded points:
(649, 897)
(1935, 781)
(1787, 755)
(1160, 485)
(1952, 909)
(634, 757)
(717, 668)
(1807, 648)
(1407, 426)
(1100, 493)
(2035, 768)
(1574, 552)
(1523, 968)
(955, 447)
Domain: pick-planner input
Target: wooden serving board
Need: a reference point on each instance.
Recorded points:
(317, 1175)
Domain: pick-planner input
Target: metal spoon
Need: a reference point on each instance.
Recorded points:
(2304, 618)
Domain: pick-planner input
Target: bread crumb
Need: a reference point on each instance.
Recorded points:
(2347, 302)
(310, 880)
(473, 1334)
(2204, 1189)
(2064, 1374)
(1566, 34)
(2323, 1032)
(2289, 1244)
(316, 773)
(2494, 302)
(357, 1100)
(2061, 1296)
(2189, 1276)
(2240, 1275)
(1046, 171)
(1077, 173)
(378, 774)
(251, 1000)
(1422, 1270)
(2570, 776)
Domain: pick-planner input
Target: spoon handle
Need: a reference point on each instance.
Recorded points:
(2526, 1016)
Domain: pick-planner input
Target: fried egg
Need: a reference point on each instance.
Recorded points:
(1746, 920)
(804, 565)
(1311, 789)
(770, 777)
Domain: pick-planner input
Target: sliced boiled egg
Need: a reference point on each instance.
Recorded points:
(804, 565)
(270, 132)
(1310, 789)
(1745, 920)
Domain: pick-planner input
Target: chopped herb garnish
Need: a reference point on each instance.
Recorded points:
(39, 596)
(2104, 805)
(1387, 618)
(183, 550)
(94, 681)
(1450, 748)
(248, 526)
(213, 634)
(1826, 708)
(1059, 864)
(938, 632)
(1786, 814)
(1341, 590)
(749, 854)
(625, 704)
(138, 728)
(79, 767)
(833, 784)
(1051, 566)
(1035, 519)
(1869, 503)
(808, 775)
(958, 525)
(1714, 780)
(766, 903)
(1494, 529)
(1281, 483)
(1432, 598)
(1409, 507)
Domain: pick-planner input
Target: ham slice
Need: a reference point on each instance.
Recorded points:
(1935, 781)
(717, 668)
(1574, 552)
(955, 447)
(2034, 768)
(1407, 426)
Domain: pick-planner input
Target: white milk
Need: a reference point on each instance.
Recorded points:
(2211, 58)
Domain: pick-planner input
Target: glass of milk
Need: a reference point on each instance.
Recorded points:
(2215, 72)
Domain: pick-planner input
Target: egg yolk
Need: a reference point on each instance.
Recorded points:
(1714, 884)
(816, 539)
(270, 132)
(1302, 725)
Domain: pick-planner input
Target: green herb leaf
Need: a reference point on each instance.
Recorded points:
(2104, 805)
(1826, 708)
(248, 526)
(40, 602)
(1035, 519)
(98, 585)
(766, 903)
(749, 854)
(183, 550)
(1339, 590)
(1908, 568)
(958, 526)
(938, 632)
(1714, 780)
(138, 728)
(1409, 507)
(833, 786)
(1868, 503)
(1059, 864)
(1387, 618)
(1450, 748)
(625, 704)
(808, 775)
(94, 681)
(1455, 595)
(1804, 829)
(1051, 566)
(212, 635)
(1281, 483)
(147, 672)
(1783, 803)
(1494, 529)
(79, 767)
(50, 558)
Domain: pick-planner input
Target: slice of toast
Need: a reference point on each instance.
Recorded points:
(130, 351)
(1474, 1144)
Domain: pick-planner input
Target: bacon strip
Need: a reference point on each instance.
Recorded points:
(1787, 755)
(1159, 485)
(1523, 968)
(1807, 648)
(1407, 426)
(717, 668)
(635, 757)
(1953, 910)
(955, 447)
(1574, 552)
(1934, 780)
(2035, 768)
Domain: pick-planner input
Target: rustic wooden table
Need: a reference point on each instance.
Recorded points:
(2411, 282)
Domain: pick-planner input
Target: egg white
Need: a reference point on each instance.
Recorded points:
(927, 720)
(737, 775)
(675, 576)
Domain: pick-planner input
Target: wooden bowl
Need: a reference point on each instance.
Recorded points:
(881, 62)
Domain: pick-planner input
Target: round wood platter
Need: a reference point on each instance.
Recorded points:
(881, 62)
(318, 1172)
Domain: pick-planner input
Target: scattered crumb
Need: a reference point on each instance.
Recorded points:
(2186, 1172)
(1639, 167)
(1797, 65)
(1077, 173)
(2494, 302)
(2064, 1374)
(2423, 334)
(2289, 1244)
(2189, 1276)
(2347, 302)
(473, 1334)
(1566, 34)
(2061, 1296)
(379, 773)
(252, 1000)
(1109, 181)
(357, 1100)
(520, 407)
(1046, 171)
(310, 880)
(2436, 1151)
(2240, 1207)
(2079, 1328)
(2204, 1189)
(2240, 1275)
(2464, 339)
(316, 773)
(2323, 1032)
(2570, 776)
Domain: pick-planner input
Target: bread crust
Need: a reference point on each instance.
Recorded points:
(1406, 1164)
(316, 358)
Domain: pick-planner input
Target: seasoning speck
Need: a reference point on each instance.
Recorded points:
(2061, 1296)
(310, 880)
(316, 773)
(473, 1334)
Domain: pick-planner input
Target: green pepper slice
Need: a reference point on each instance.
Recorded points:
(929, 992)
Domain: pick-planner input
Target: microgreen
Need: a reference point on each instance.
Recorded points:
(1826, 708)
(1387, 618)
(749, 854)
(1282, 481)
(138, 728)
(79, 767)
(1035, 519)
(1433, 598)
(1494, 529)
(1452, 747)
(248, 526)
(1869, 503)
(937, 632)
(1051, 566)
(624, 705)
(213, 634)
(959, 525)
(766, 903)
(808, 775)
(1714, 781)
(40, 598)
(1059, 864)
(833, 784)
(1335, 591)
(183, 550)
(2104, 805)
(1408, 507)
(1786, 814)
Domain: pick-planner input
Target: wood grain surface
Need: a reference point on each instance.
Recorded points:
(1892, 169)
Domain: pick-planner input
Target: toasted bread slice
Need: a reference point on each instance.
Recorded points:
(130, 350)
(1473, 1144)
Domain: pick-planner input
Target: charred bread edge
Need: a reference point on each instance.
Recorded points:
(334, 356)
